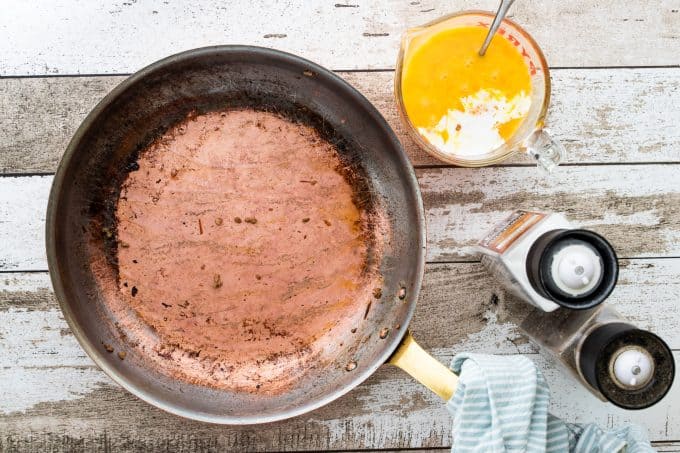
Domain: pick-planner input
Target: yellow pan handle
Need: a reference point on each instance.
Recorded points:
(427, 370)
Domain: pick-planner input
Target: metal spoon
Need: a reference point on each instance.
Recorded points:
(500, 15)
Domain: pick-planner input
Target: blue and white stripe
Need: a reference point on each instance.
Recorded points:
(501, 405)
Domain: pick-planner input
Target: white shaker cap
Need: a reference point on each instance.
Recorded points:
(576, 269)
(633, 367)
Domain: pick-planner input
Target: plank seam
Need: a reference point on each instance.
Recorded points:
(121, 74)
(417, 449)
(28, 174)
(566, 164)
(620, 258)
(440, 166)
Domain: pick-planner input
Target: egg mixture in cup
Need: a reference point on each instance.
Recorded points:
(472, 110)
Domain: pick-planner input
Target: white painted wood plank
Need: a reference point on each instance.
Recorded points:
(23, 206)
(662, 447)
(635, 206)
(645, 294)
(79, 36)
(56, 389)
(390, 410)
(39, 116)
(667, 447)
(602, 115)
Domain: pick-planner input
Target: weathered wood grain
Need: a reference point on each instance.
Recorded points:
(667, 447)
(61, 402)
(634, 207)
(39, 116)
(662, 447)
(646, 287)
(602, 116)
(637, 207)
(22, 222)
(52, 398)
(70, 36)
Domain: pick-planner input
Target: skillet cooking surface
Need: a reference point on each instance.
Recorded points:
(286, 279)
(82, 234)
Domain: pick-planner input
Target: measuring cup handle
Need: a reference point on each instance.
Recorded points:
(547, 151)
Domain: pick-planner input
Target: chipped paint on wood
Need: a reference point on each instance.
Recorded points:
(115, 37)
(646, 288)
(388, 411)
(632, 206)
(622, 202)
(602, 116)
(38, 117)
(39, 355)
(23, 206)
(32, 387)
(59, 401)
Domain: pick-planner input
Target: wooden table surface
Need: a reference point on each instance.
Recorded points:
(616, 107)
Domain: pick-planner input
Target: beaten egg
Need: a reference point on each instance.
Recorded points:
(461, 103)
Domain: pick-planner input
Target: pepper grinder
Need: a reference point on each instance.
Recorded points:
(544, 260)
(566, 273)
(616, 361)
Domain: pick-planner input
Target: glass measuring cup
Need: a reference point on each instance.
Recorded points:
(530, 136)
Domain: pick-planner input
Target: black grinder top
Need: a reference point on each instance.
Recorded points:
(576, 269)
(599, 356)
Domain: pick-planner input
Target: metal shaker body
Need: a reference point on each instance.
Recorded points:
(545, 261)
(591, 344)
(561, 333)
(566, 273)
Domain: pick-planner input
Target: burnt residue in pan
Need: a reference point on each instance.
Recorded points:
(270, 348)
(106, 188)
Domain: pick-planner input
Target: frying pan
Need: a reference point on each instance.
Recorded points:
(145, 105)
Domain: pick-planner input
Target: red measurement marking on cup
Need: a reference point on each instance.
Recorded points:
(533, 68)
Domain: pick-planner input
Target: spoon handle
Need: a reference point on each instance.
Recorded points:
(500, 15)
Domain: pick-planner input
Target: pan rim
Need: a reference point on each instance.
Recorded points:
(120, 377)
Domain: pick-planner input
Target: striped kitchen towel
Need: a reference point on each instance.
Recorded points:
(501, 405)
